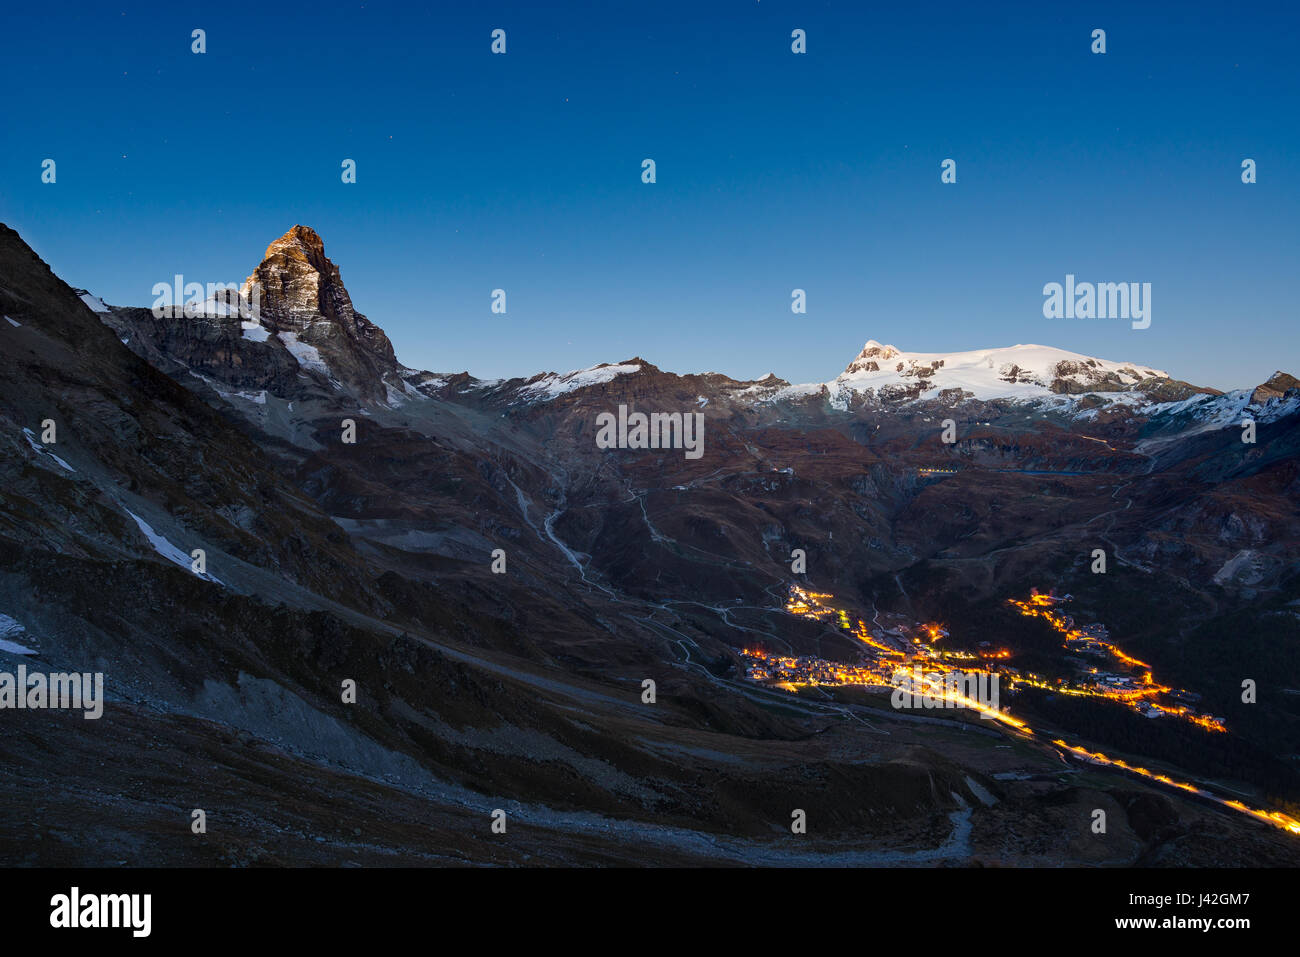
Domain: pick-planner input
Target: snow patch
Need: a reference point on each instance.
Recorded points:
(308, 356)
(9, 630)
(413, 380)
(94, 302)
(254, 331)
(13, 322)
(258, 398)
(1278, 408)
(166, 549)
(1208, 414)
(762, 393)
(1247, 567)
(396, 399)
(42, 450)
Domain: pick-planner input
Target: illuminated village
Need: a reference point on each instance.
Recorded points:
(891, 656)
(1117, 676)
(1142, 693)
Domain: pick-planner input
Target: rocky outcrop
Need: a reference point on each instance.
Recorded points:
(869, 359)
(295, 335)
(1278, 384)
(303, 302)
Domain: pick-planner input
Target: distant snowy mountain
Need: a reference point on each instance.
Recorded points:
(885, 374)
(991, 373)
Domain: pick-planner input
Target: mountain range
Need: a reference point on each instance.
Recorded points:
(378, 561)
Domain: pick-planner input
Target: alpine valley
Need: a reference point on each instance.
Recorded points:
(642, 657)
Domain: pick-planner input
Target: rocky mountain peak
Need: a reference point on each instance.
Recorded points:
(302, 243)
(1278, 384)
(869, 359)
(303, 296)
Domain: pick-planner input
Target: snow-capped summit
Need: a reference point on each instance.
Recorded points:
(873, 351)
(1019, 371)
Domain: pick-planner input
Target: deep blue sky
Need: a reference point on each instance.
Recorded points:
(775, 171)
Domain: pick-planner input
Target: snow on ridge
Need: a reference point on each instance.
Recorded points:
(1227, 410)
(94, 302)
(257, 398)
(1279, 408)
(13, 322)
(413, 380)
(397, 395)
(795, 391)
(551, 385)
(1211, 414)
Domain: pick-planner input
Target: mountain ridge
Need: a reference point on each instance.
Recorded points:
(307, 307)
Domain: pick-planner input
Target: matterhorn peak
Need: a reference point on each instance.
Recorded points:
(301, 242)
(303, 301)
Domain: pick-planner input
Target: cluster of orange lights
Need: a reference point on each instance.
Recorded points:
(1042, 606)
(889, 663)
(808, 604)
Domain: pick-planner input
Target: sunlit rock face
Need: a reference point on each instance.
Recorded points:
(1276, 387)
(305, 304)
(871, 357)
